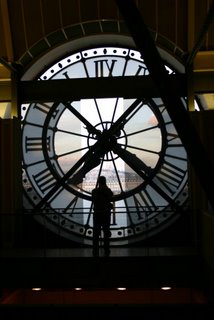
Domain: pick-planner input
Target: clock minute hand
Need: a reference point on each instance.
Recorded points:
(119, 123)
(101, 147)
(87, 166)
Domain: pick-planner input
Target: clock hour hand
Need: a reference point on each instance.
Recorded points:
(132, 160)
(143, 171)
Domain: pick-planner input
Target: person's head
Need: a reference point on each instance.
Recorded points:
(102, 180)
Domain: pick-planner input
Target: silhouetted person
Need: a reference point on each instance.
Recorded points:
(101, 197)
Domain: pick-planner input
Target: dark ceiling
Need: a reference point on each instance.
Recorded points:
(26, 23)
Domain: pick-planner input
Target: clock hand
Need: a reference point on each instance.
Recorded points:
(64, 179)
(91, 158)
(89, 164)
(131, 158)
(105, 144)
(89, 126)
(143, 171)
(94, 159)
(119, 123)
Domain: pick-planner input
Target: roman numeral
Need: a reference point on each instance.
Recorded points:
(101, 66)
(170, 177)
(44, 180)
(66, 75)
(140, 68)
(144, 203)
(35, 144)
(45, 108)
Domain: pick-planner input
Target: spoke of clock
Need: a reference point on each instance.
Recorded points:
(26, 166)
(115, 109)
(168, 155)
(88, 125)
(116, 172)
(139, 131)
(106, 157)
(71, 152)
(189, 136)
(98, 112)
(138, 148)
(24, 122)
(75, 134)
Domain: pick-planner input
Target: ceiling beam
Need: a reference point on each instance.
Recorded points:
(209, 19)
(72, 89)
(103, 87)
(180, 117)
(204, 61)
(7, 30)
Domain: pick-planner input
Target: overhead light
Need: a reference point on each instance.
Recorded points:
(166, 288)
(121, 288)
(36, 289)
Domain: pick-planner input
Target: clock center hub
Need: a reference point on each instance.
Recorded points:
(108, 140)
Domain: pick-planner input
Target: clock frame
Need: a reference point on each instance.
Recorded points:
(133, 142)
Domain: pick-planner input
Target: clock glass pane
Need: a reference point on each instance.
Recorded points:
(133, 142)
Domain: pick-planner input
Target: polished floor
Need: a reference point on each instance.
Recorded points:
(87, 252)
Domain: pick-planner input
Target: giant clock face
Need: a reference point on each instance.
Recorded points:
(133, 142)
